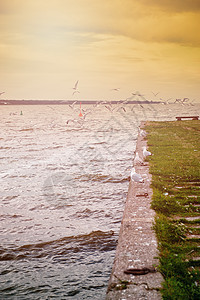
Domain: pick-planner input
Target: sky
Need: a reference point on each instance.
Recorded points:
(145, 46)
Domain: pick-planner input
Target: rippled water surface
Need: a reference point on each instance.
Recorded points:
(64, 182)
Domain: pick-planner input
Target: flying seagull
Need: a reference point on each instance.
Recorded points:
(155, 94)
(75, 86)
(121, 108)
(116, 89)
(75, 92)
(72, 105)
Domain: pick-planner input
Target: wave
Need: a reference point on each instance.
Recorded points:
(88, 213)
(27, 129)
(111, 129)
(95, 241)
(7, 216)
(6, 148)
(102, 178)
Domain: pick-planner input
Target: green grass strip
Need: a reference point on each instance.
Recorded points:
(175, 169)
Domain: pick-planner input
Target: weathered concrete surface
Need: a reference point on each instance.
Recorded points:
(137, 244)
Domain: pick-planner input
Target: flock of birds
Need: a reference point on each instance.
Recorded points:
(116, 107)
(85, 112)
(136, 177)
(182, 101)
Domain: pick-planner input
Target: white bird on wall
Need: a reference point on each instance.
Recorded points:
(137, 160)
(142, 132)
(146, 152)
(135, 176)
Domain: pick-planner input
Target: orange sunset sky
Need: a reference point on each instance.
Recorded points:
(134, 45)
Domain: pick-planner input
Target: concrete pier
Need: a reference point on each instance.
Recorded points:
(137, 244)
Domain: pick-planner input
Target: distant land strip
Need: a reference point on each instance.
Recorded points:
(61, 102)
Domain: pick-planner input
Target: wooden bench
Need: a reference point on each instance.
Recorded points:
(188, 117)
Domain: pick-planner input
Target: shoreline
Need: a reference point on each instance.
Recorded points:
(137, 243)
(69, 102)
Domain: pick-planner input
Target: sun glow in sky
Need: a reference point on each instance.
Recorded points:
(134, 45)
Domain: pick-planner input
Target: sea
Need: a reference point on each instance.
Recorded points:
(64, 182)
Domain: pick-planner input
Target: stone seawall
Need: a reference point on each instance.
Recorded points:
(137, 245)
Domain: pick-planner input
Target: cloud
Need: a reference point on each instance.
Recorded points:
(110, 40)
(174, 5)
(177, 28)
(50, 21)
(10, 6)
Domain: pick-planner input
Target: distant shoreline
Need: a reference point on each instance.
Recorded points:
(62, 102)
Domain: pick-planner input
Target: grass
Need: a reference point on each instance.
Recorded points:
(175, 169)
